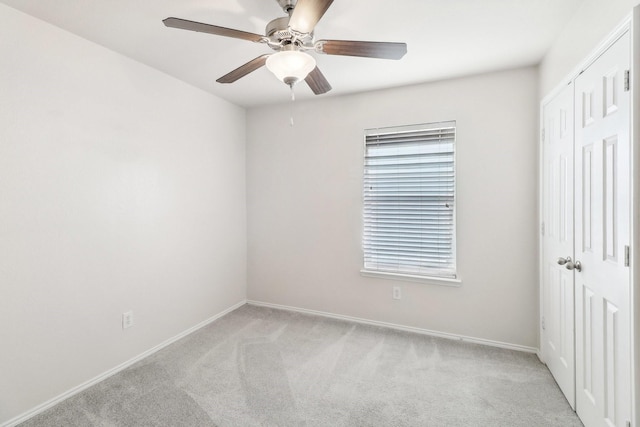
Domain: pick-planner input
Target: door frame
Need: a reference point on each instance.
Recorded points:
(634, 136)
(630, 24)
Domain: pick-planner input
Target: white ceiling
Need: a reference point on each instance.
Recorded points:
(445, 38)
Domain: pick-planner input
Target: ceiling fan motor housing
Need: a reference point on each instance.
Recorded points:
(280, 35)
(278, 29)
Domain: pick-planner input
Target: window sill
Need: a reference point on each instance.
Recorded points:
(442, 281)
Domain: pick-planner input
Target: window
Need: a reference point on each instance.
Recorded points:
(409, 200)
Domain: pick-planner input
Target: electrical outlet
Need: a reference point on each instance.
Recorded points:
(127, 319)
(396, 292)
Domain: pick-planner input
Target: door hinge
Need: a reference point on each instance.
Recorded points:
(627, 256)
(542, 134)
(627, 80)
(543, 325)
(542, 228)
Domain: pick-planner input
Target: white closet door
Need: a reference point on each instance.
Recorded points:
(602, 221)
(557, 242)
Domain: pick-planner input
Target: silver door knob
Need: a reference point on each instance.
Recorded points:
(563, 261)
(574, 266)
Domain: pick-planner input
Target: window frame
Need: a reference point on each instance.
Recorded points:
(451, 276)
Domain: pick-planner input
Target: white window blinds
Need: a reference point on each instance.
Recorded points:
(409, 200)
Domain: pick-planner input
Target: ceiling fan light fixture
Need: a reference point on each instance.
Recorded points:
(291, 36)
(291, 66)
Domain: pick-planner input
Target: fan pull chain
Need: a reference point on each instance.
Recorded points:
(293, 99)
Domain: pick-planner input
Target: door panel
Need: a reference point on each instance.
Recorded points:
(602, 224)
(557, 344)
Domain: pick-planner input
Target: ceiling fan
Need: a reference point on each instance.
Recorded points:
(291, 37)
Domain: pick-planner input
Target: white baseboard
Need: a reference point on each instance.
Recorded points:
(446, 335)
(52, 402)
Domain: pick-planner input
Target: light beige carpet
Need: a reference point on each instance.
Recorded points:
(265, 367)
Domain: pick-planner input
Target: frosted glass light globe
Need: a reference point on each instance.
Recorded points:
(290, 66)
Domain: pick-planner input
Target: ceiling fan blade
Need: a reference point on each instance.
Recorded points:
(243, 70)
(383, 50)
(307, 13)
(183, 24)
(317, 82)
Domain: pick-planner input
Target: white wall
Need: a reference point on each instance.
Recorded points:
(304, 189)
(120, 189)
(592, 22)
